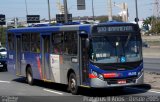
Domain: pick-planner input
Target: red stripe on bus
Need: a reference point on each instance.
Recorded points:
(39, 66)
(92, 76)
(110, 75)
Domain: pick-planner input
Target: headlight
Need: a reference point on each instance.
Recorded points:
(95, 73)
(100, 76)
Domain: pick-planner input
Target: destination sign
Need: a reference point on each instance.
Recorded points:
(103, 29)
(2, 20)
(33, 18)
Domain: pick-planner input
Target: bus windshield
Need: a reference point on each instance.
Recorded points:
(115, 49)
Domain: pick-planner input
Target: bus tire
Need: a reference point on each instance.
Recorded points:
(29, 76)
(72, 84)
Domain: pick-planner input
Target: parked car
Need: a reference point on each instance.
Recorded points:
(3, 59)
(144, 44)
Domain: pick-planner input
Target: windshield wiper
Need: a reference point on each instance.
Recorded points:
(129, 37)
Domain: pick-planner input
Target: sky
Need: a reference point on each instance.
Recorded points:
(17, 8)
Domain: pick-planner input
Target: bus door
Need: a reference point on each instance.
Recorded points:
(45, 57)
(18, 55)
(83, 58)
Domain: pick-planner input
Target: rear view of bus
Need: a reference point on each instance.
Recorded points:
(115, 55)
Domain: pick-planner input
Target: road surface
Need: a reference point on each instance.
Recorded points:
(15, 88)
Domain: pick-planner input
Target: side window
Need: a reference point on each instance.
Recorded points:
(26, 42)
(70, 43)
(10, 41)
(35, 42)
(57, 42)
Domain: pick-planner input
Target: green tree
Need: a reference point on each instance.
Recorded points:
(156, 28)
(3, 35)
(105, 18)
(149, 20)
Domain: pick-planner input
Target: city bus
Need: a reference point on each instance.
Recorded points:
(103, 55)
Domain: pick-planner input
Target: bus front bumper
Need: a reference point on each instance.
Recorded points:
(98, 83)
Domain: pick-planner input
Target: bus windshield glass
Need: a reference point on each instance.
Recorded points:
(115, 49)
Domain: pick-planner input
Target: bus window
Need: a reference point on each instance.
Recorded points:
(26, 42)
(70, 43)
(57, 43)
(35, 42)
(10, 41)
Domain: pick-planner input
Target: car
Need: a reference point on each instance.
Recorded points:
(145, 44)
(3, 59)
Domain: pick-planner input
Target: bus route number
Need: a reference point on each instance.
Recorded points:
(101, 29)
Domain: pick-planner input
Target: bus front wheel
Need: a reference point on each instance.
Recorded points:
(29, 76)
(73, 84)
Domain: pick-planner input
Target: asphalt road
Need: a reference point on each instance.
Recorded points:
(152, 64)
(15, 88)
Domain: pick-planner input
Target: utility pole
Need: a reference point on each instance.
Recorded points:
(110, 10)
(65, 11)
(156, 10)
(15, 22)
(136, 12)
(26, 7)
(93, 10)
(49, 14)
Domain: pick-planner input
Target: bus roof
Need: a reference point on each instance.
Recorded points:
(43, 29)
(79, 27)
(116, 23)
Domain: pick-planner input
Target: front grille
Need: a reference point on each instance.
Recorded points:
(118, 66)
(115, 81)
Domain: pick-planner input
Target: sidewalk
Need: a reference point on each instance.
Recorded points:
(152, 55)
(153, 79)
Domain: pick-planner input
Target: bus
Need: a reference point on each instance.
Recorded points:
(103, 55)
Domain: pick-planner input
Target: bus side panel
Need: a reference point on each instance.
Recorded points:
(32, 59)
(69, 65)
(11, 61)
(60, 65)
(47, 69)
(55, 68)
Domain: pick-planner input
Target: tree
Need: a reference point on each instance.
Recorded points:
(3, 35)
(149, 20)
(156, 28)
(105, 18)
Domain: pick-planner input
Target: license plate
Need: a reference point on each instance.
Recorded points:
(122, 82)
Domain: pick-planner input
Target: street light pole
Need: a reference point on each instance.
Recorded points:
(136, 12)
(93, 10)
(26, 7)
(110, 10)
(49, 14)
(65, 11)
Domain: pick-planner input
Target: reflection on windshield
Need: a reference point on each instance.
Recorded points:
(115, 49)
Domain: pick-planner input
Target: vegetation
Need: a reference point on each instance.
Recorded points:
(3, 35)
(105, 18)
(154, 23)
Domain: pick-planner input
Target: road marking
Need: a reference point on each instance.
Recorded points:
(4, 81)
(53, 91)
(154, 91)
(151, 90)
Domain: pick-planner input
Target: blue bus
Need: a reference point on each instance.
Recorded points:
(81, 55)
